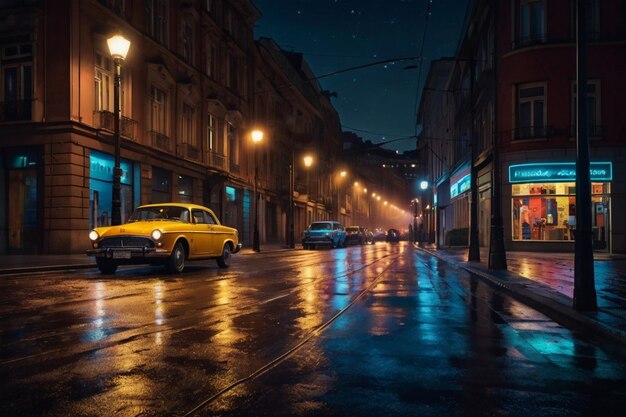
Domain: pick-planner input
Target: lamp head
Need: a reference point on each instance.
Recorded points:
(118, 46)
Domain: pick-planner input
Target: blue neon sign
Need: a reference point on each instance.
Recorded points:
(557, 172)
(460, 186)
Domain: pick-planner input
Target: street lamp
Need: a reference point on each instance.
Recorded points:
(118, 47)
(308, 162)
(257, 137)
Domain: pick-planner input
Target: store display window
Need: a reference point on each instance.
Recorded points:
(547, 211)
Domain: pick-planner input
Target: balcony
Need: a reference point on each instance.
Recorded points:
(160, 141)
(189, 151)
(103, 119)
(533, 132)
(217, 161)
(16, 110)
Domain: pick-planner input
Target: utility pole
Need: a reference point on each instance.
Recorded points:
(497, 254)
(584, 280)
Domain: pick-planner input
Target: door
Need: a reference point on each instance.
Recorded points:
(23, 232)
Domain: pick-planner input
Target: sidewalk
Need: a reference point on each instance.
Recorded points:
(544, 281)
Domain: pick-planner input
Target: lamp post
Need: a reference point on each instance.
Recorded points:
(423, 187)
(342, 174)
(118, 47)
(257, 137)
(308, 162)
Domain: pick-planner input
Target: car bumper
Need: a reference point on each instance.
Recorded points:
(129, 253)
(318, 241)
(238, 248)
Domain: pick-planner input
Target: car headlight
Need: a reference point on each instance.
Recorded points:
(93, 235)
(156, 234)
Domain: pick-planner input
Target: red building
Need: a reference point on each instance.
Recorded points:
(513, 88)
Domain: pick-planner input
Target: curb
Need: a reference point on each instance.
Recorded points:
(552, 303)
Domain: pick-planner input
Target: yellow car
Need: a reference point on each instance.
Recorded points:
(164, 234)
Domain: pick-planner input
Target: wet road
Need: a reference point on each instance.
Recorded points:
(376, 330)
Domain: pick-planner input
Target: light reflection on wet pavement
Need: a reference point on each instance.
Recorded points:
(416, 337)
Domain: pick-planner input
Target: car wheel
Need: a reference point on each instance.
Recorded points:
(106, 266)
(176, 261)
(224, 260)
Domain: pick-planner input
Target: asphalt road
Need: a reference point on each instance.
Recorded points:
(375, 330)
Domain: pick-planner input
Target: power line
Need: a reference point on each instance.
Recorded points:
(421, 63)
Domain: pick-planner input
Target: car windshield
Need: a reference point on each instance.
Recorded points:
(321, 226)
(160, 213)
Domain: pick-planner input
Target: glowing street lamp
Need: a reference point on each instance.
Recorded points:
(118, 47)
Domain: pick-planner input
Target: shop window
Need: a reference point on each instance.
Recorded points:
(161, 185)
(185, 189)
(547, 211)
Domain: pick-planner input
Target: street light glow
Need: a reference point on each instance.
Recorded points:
(257, 136)
(308, 161)
(423, 184)
(118, 46)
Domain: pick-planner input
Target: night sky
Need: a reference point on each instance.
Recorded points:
(377, 102)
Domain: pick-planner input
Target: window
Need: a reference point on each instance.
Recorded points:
(233, 148)
(185, 189)
(593, 19)
(593, 109)
(156, 19)
(158, 110)
(211, 59)
(531, 23)
(17, 82)
(531, 111)
(547, 211)
(103, 83)
(232, 73)
(186, 40)
(211, 132)
(188, 125)
(161, 185)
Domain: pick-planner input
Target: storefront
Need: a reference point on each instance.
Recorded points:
(101, 188)
(543, 202)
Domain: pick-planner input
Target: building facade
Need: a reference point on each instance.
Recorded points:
(514, 80)
(194, 85)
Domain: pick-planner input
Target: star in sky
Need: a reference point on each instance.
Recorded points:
(379, 101)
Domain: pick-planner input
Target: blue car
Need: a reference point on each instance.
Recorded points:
(324, 233)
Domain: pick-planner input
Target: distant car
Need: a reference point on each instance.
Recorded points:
(324, 233)
(393, 235)
(164, 234)
(379, 235)
(356, 234)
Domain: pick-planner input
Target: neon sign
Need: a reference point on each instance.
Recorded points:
(460, 186)
(557, 172)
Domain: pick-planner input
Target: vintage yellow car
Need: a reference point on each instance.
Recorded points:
(164, 234)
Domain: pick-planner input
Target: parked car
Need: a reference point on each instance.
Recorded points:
(355, 234)
(393, 235)
(164, 234)
(324, 233)
(379, 235)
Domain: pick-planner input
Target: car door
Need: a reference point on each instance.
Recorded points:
(203, 234)
(218, 234)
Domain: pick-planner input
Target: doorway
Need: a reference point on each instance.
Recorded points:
(22, 211)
